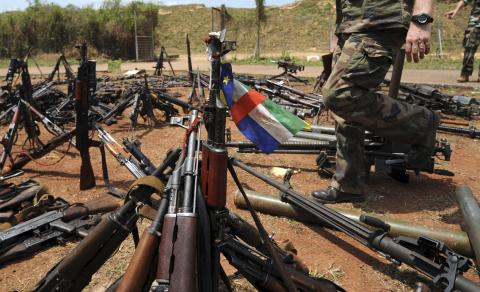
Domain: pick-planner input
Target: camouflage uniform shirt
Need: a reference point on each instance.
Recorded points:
(368, 15)
(474, 20)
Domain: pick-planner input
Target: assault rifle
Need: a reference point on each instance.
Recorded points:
(134, 148)
(75, 271)
(85, 86)
(177, 247)
(59, 232)
(429, 257)
(9, 137)
(24, 158)
(31, 235)
(123, 157)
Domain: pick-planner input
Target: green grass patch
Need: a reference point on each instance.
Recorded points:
(270, 60)
(41, 62)
(114, 66)
(434, 63)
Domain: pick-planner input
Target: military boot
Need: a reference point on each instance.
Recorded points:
(421, 153)
(462, 79)
(332, 195)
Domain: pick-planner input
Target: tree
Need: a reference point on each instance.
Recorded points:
(260, 18)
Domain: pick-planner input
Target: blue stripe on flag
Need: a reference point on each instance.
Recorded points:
(226, 77)
(257, 134)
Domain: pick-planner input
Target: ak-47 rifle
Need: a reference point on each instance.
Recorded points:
(123, 157)
(177, 225)
(133, 147)
(75, 271)
(84, 89)
(32, 235)
(9, 137)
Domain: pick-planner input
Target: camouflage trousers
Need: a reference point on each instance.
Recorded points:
(361, 63)
(470, 43)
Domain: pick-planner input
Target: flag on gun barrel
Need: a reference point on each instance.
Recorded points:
(261, 120)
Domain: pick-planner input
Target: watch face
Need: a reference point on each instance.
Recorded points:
(422, 18)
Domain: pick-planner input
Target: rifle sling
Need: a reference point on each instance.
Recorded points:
(149, 181)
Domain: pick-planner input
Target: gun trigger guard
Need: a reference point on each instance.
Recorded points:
(138, 207)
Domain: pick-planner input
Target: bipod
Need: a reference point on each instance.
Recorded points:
(289, 68)
(143, 105)
(56, 69)
(161, 58)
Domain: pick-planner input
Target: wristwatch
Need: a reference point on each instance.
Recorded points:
(422, 18)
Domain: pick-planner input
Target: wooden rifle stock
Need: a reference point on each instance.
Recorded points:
(88, 208)
(143, 260)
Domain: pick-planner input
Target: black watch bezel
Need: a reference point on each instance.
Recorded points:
(422, 18)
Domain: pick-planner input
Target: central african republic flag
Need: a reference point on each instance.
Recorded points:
(260, 120)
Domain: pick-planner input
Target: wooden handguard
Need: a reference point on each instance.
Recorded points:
(214, 176)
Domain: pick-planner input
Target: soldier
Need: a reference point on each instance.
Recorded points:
(370, 34)
(471, 39)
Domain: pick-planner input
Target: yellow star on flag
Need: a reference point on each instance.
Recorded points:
(226, 80)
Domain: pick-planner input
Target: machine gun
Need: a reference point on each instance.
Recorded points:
(388, 158)
(56, 69)
(161, 59)
(289, 68)
(433, 99)
(429, 257)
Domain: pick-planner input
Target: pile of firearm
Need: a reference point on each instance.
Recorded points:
(32, 220)
(185, 197)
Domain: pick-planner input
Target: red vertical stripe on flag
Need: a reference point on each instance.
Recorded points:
(245, 105)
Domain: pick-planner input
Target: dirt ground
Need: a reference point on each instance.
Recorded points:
(428, 199)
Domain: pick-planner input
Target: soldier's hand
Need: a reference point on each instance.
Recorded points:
(417, 43)
(451, 14)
